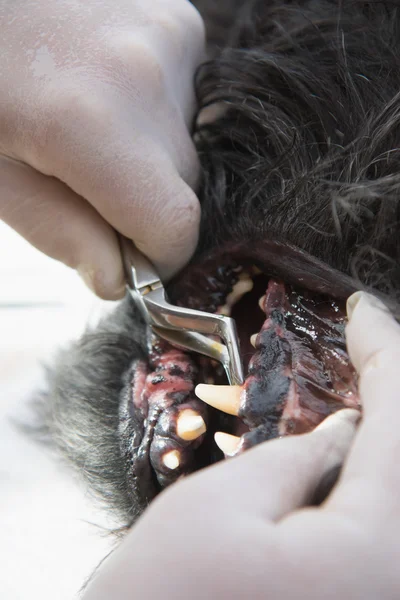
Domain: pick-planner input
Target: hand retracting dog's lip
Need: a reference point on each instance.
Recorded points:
(183, 327)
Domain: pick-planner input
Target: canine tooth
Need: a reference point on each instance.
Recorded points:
(172, 459)
(261, 302)
(222, 397)
(227, 443)
(253, 339)
(190, 425)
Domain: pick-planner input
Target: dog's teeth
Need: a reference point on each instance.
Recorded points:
(261, 302)
(222, 397)
(172, 459)
(227, 443)
(224, 310)
(190, 425)
(255, 270)
(244, 285)
(253, 339)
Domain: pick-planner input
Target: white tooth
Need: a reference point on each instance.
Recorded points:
(222, 397)
(190, 425)
(227, 443)
(224, 310)
(172, 459)
(253, 339)
(261, 302)
(239, 290)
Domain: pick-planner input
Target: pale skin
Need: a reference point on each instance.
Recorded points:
(96, 102)
(240, 529)
(96, 105)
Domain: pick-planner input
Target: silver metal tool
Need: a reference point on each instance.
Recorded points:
(182, 327)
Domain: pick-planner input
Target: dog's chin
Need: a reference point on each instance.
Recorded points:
(290, 313)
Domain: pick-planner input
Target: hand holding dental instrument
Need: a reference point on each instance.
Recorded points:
(182, 327)
(108, 117)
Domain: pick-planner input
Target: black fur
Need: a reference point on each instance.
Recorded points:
(308, 149)
(306, 152)
(80, 408)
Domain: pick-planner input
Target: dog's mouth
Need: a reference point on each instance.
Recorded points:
(290, 314)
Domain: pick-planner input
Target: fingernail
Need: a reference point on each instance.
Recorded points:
(96, 283)
(346, 414)
(87, 275)
(355, 298)
(352, 302)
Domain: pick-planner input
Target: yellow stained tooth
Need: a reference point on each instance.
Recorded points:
(172, 459)
(224, 310)
(227, 443)
(253, 339)
(222, 397)
(261, 302)
(244, 275)
(190, 425)
(239, 290)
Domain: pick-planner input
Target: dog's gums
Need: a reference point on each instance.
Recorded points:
(300, 208)
(297, 373)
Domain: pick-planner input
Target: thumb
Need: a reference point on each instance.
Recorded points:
(276, 477)
(62, 225)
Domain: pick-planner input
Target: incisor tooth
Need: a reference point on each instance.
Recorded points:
(222, 397)
(190, 425)
(261, 302)
(227, 443)
(253, 339)
(172, 459)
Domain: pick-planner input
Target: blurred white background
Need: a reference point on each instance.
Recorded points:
(50, 539)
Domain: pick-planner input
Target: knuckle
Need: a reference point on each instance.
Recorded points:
(191, 18)
(184, 214)
(182, 28)
(66, 114)
(170, 26)
(74, 107)
(133, 58)
(192, 206)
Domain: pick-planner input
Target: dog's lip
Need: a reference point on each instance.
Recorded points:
(275, 258)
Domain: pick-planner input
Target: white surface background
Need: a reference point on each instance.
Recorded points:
(50, 539)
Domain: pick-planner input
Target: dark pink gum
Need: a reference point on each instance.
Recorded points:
(301, 371)
(160, 392)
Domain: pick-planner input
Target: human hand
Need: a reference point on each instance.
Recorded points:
(96, 102)
(241, 529)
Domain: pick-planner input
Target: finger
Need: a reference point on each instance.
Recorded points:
(371, 328)
(140, 183)
(279, 476)
(370, 482)
(62, 225)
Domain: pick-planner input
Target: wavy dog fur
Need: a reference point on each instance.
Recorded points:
(305, 150)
